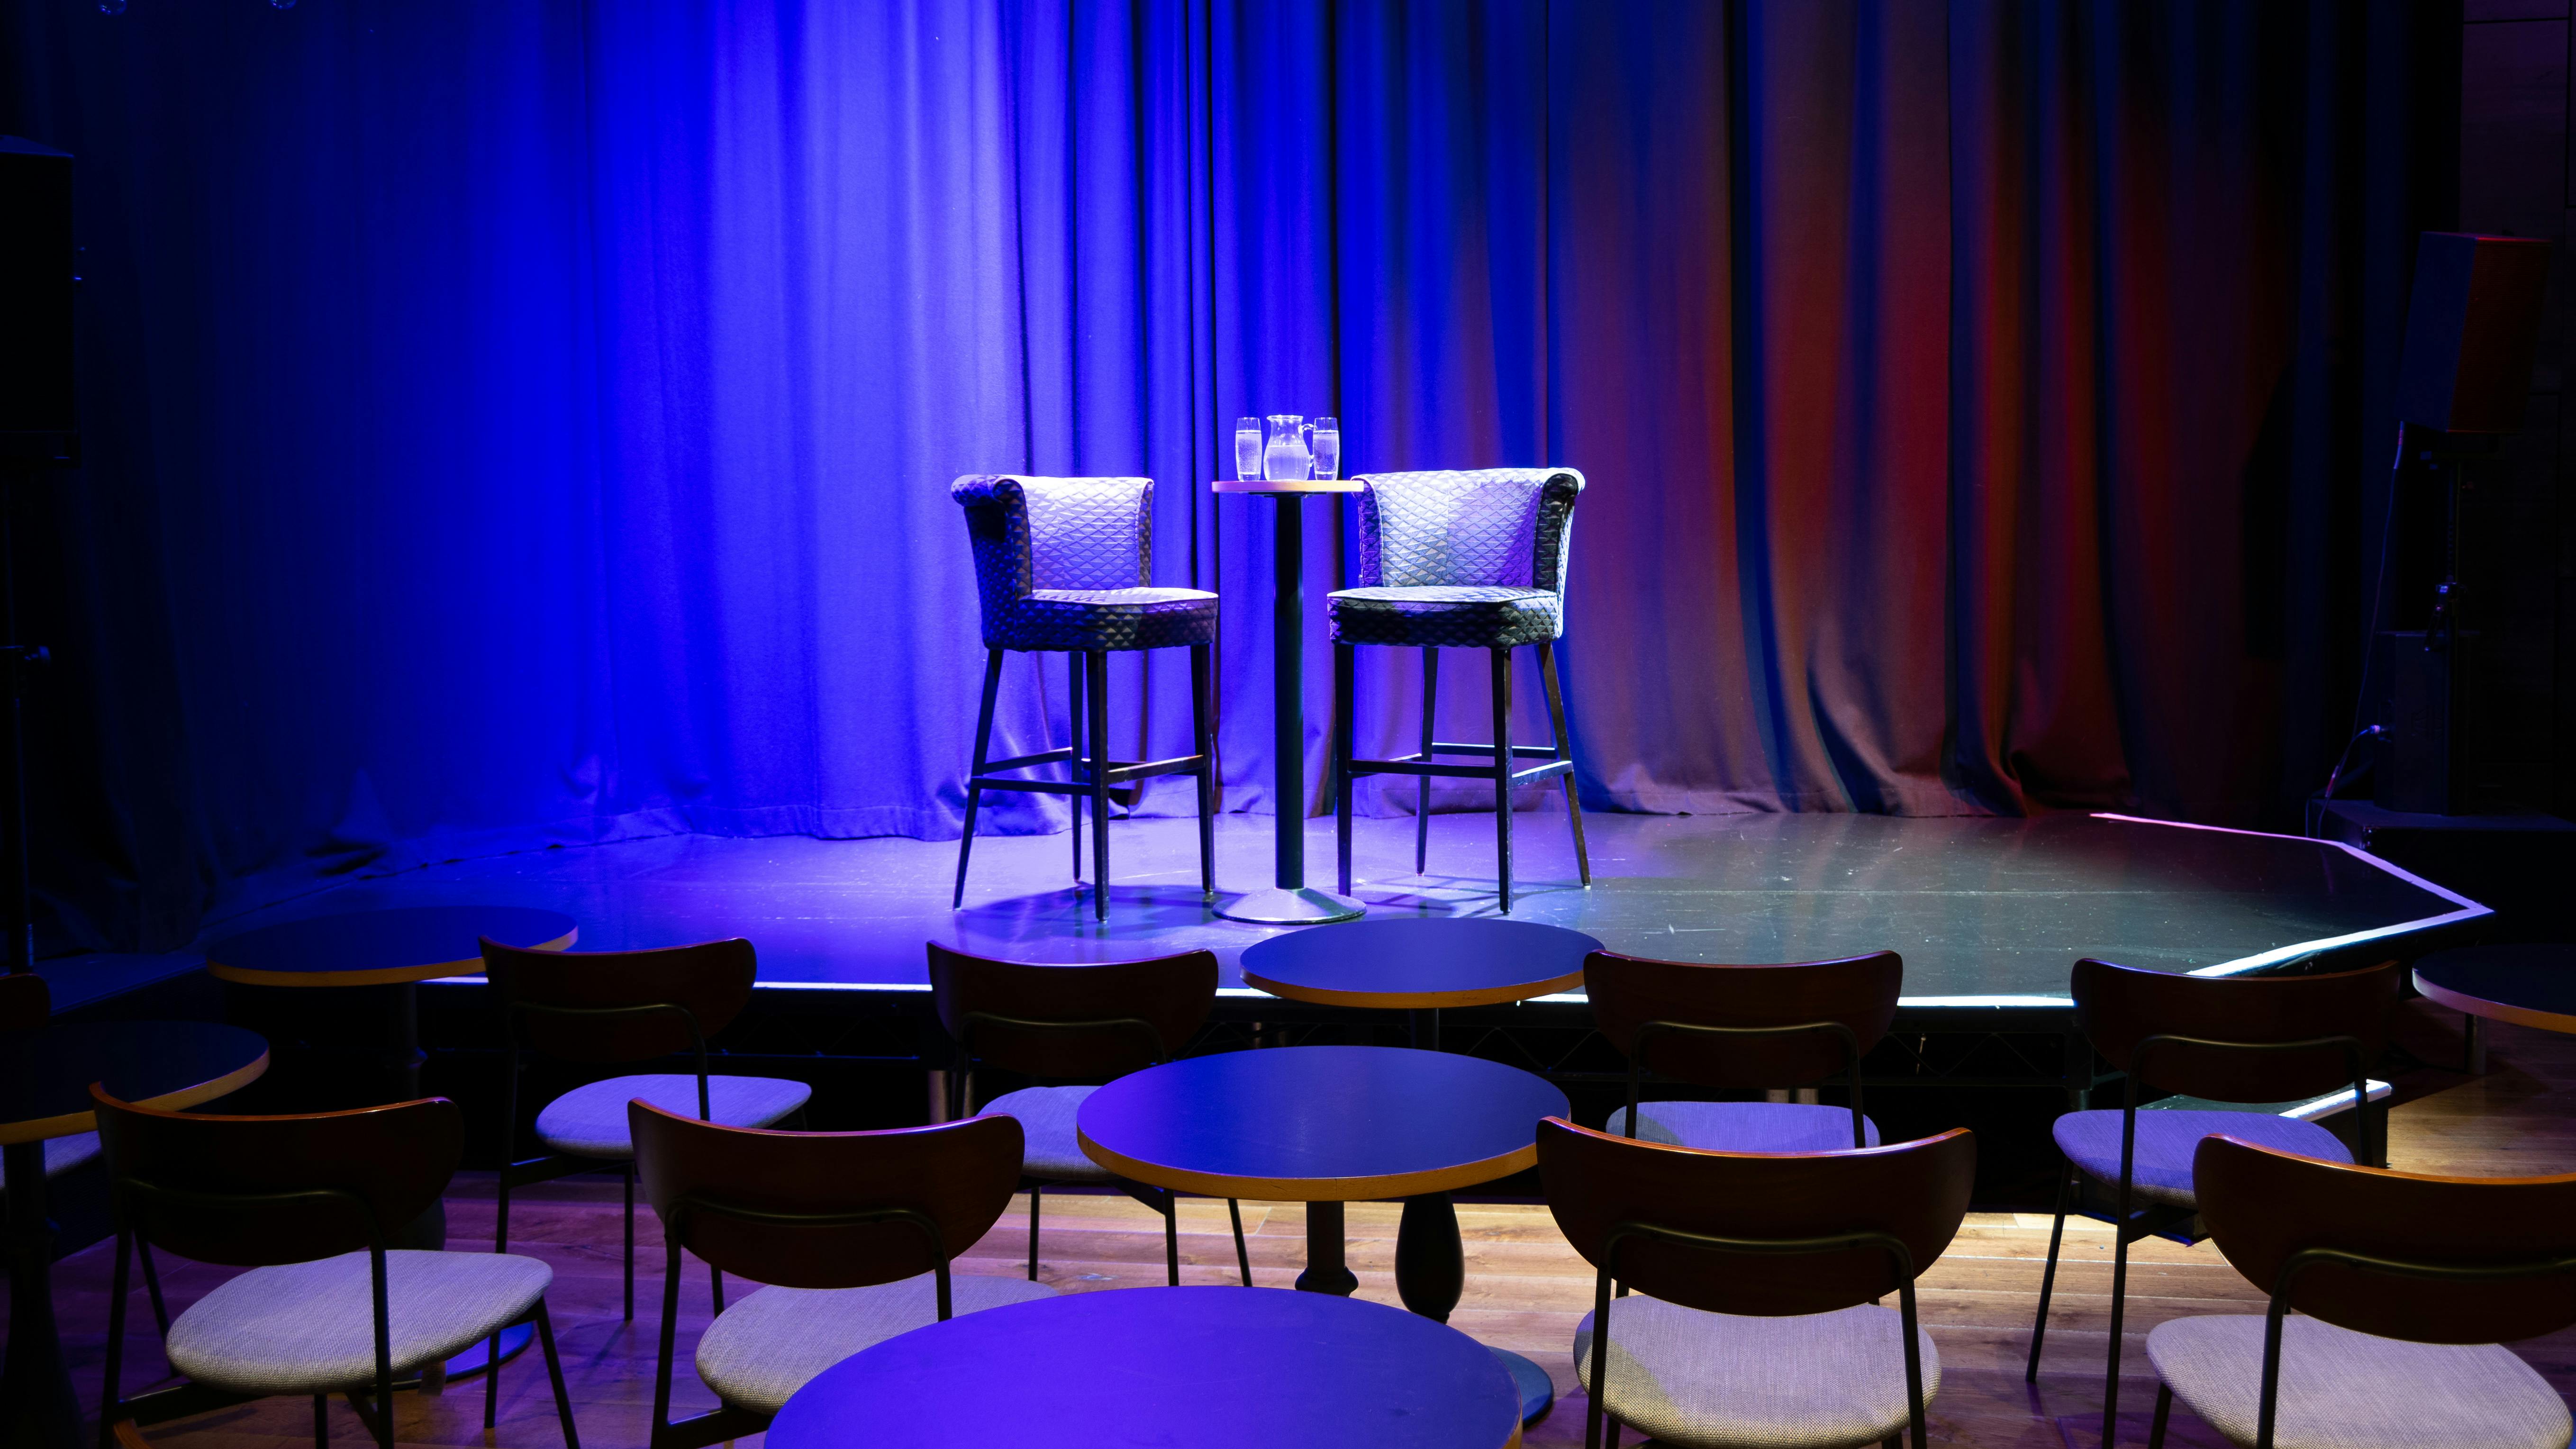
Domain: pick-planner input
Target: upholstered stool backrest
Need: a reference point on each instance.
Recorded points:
(1055, 533)
(1489, 527)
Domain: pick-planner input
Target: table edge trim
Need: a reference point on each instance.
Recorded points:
(1376, 1188)
(1414, 1000)
(45, 1129)
(2495, 1010)
(375, 976)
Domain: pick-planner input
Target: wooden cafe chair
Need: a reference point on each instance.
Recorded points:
(309, 1205)
(2241, 1039)
(1745, 1028)
(1083, 1024)
(1756, 1276)
(2404, 1287)
(852, 1232)
(622, 1007)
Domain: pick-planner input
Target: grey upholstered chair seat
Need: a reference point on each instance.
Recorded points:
(2347, 1390)
(309, 1328)
(62, 1154)
(1819, 1381)
(760, 1351)
(1465, 616)
(591, 1121)
(1108, 619)
(2161, 1170)
(1744, 1126)
(1046, 1121)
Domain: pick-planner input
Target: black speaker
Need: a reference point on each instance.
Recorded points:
(37, 423)
(2471, 328)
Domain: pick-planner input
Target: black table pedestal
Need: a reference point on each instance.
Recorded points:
(37, 1409)
(1430, 1263)
(1325, 1272)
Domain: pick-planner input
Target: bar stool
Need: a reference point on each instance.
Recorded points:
(2406, 1287)
(851, 1231)
(1757, 1275)
(1067, 563)
(1089, 1023)
(308, 1204)
(1459, 560)
(617, 1007)
(1745, 1028)
(2250, 1039)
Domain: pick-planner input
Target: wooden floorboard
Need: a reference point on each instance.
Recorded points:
(1525, 1289)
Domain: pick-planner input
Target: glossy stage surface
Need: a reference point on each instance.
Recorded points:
(1205, 1365)
(1319, 1123)
(1982, 909)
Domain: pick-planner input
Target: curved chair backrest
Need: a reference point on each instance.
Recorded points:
(2454, 1243)
(1033, 533)
(826, 1209)
(1745, 1016)
(25, 1001)
(254, 1191)
(1075, 1022)
(1911, 1194)
(621, 1006)
(1491, 527)
(2224, 1037)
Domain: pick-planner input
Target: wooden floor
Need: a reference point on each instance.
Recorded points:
(1525, 1288)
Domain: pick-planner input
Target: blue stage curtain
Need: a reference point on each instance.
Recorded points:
(513, 424)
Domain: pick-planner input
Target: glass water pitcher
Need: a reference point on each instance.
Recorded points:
(1285, 459)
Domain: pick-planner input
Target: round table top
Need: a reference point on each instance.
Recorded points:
(383, 948)
(1319, 1123)
(1419, 962)
(1128, 1366)
(45, 1073)
(2529, 985)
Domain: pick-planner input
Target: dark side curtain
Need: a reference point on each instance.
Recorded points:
(519, 424)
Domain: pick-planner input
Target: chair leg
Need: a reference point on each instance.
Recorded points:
(2119, 1302)
(630, 1240)
(492, 1381)
(1074, 721)
(152, 1288)
(1203, 724)
(2048, 1275)
(2164, 1407)
(1097, 697)
(974, 794)
(1502, 676)
(1345, 679)
(1422, 783)
(1564, 751)
(1242, 1254)
(554, 1372)
(715, 1288)
(321, 1421)
(1172, 1237)
(1034, 1189)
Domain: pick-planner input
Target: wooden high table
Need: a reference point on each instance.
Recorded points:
(1208, 1365)
(45, 1076)
(1326, 1125)
(1289, 901)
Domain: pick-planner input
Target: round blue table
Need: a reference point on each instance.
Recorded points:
(1420, 964)
(2528, 985)
(1326, 1125)
(45, 1075)
(1132, 1366)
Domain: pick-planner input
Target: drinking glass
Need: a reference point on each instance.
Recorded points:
(1327, 446)
(1247, 449)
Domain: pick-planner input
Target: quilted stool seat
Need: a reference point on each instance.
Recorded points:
(763, 1349)
(1744, 1126)
(2161, 1170)
(1450, 617)
(591, 1121)
(1107, 619)
(1045, 1115)
(2347, 1390)
(1820, 1381)
(309, 1328)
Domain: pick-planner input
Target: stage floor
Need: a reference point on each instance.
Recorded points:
(1985, 911)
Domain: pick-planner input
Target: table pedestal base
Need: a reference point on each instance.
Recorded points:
(514, 1342)
(1305, 906)
(1430, 1274)
(1537, 1390)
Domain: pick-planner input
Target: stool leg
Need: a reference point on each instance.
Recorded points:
(1073, 722)
(974, 792)
(1422, 783)
(1502, 675)
(1345, 678)
(1096, 690)
(1203, 721)
(1564, 751)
